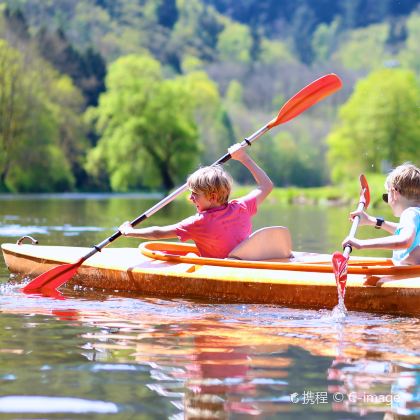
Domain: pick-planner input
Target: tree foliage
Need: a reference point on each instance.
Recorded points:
(197, 29)
(364, 49)
(235, 43)
(33, 135)
(325, 40)
(148, 134)
(291, 162)
(379, 125)
(210, 116)
(410, 55)
(87, 70)
(219, 67)
(300, 19)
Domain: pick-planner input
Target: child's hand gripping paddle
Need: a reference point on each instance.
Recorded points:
(340, 260)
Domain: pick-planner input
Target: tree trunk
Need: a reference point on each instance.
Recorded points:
(168, 182)
(3, 176)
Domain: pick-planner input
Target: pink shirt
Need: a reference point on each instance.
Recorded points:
(218, 230)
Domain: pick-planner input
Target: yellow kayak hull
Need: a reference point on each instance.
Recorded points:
(168, 270)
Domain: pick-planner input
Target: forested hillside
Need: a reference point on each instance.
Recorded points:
(133, 94)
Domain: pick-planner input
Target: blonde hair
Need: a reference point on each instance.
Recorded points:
(211, 180)
(406, 180)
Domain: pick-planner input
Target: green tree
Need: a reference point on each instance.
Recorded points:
(325, 40)
(302, 28)
(12, 108)
(86, 70)
(364, 48)
(273, 52)
(66, 108)
(380, 123)
(235, 43)
(213, 123)
(196, 30)
(234, 92)
(31, 157)
(148, 134)
(410, 55)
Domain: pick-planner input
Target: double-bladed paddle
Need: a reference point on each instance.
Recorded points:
(304, 99)
(340, 260)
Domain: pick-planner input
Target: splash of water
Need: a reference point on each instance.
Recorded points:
(339, 311)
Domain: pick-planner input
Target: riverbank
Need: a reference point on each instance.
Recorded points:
(331, 195)
(344, 194)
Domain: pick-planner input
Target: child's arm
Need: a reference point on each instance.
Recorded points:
(388, 242)
(153, 232)
(401, 241)
(367, 220)
(265, 185)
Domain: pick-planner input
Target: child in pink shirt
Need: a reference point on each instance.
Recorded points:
(219, 224)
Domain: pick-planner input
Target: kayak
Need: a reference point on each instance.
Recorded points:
(174, 270)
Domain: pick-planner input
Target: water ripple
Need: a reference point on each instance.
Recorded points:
(36, 404)
(19, 230)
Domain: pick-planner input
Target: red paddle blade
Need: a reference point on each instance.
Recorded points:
(66, 314)
(339, 262)
(53, 278)
(306, 97)
(365, 193)
(55, 294)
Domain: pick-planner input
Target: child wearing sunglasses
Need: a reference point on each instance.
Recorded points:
(403, 196)
(219, 224)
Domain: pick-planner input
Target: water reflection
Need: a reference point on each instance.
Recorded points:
(211, 361)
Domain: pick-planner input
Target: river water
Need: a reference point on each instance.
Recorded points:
(94, 355)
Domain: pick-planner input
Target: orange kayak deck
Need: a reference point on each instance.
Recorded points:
(165, 269)
(300, 261)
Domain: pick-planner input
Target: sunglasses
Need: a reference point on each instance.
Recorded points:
(195, 194)
(385, 197)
